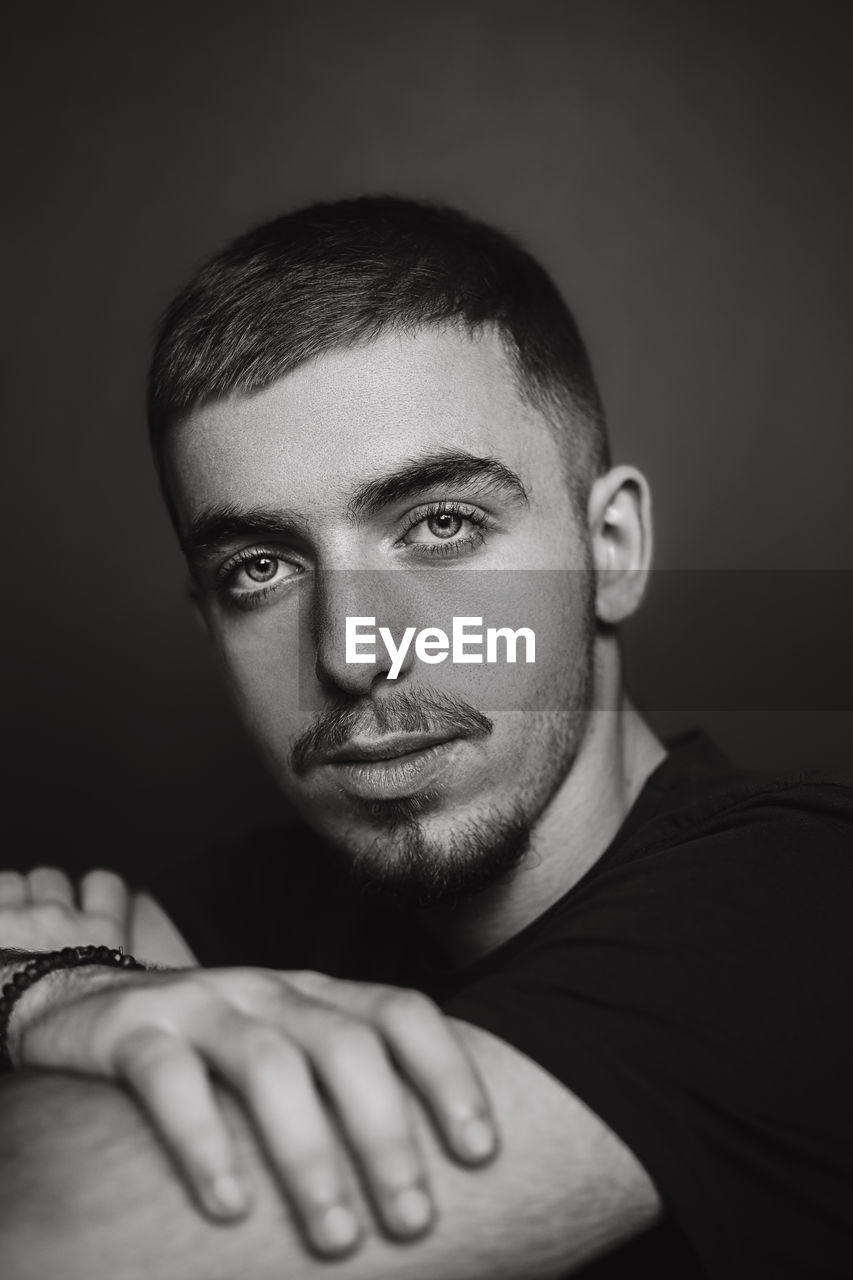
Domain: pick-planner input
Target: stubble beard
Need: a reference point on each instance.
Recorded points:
(415, 861)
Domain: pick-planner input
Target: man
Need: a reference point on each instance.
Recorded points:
(375, 420)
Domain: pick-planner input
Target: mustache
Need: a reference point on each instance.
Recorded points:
(426, 711)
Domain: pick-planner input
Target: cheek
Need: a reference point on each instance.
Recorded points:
(556, 605)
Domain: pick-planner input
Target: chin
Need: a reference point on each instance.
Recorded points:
(404, 858)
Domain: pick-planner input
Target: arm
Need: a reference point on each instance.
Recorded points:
(82, 1179)
(301, 1060)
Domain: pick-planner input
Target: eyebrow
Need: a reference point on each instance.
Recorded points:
(223, 523)
(447, 467)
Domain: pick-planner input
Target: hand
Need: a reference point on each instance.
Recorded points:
(40, 911)
(315, 1062)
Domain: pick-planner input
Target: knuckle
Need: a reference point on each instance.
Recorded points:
(247, 988)
(343, 1040)
(307, 981)
(199, 985)
(267, 1062)
(402, 1007)
(264, 1046)
(190, 991)
(333, 1032)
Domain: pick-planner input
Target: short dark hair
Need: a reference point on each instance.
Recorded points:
(340, 273)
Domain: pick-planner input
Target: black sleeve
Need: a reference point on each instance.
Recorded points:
(698, 999)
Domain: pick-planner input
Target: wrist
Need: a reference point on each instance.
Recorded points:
(59, 987)
(48, 981)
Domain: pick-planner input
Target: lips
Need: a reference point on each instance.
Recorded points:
(392, 767)
(392, 747)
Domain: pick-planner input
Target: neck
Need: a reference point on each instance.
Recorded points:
(617, 754)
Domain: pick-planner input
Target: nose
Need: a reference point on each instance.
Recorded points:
(356, 593)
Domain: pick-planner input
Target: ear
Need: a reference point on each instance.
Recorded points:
(620, 527)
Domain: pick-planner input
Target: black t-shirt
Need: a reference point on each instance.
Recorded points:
(693, 989)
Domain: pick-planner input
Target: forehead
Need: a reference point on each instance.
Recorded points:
(309, 439)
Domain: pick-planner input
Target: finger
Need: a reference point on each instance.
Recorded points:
(428, 1051)
(172, 1083)
(49, 884)
(431, 1055)
(14, 889)
(274, 1081)
(103, 893)
(369, 1100)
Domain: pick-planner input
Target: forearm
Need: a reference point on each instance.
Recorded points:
(85, 1188)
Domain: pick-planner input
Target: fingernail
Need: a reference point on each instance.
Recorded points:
(227, 1195)
(478, 1139)
(339, 1227)
(412, 1208)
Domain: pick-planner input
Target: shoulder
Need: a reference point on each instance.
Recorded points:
(711, 912)
(693, 991)
(746, 833)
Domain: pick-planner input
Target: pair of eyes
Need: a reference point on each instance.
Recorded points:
(435, 532)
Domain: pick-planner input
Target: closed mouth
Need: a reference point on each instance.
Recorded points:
(394, 767)
(392, 747)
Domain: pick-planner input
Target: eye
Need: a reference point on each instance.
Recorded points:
(252, 575)
(445, 529)
(444, 524)
(261, 569)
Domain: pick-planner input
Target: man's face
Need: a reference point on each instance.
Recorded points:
(406, 480)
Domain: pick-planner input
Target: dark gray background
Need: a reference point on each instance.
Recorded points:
(683, 169)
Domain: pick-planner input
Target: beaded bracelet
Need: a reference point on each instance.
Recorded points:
(48, 962)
